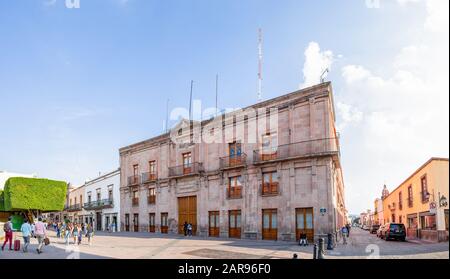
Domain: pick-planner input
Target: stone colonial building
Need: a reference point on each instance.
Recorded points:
(421, 202)
(269, 171)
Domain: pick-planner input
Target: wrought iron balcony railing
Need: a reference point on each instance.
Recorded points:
(233, 161)
(299, 149)
(106, 203)
(149, 177)
(133, 180)
(234, 192)
(75, 207)
(268, 189)
(425, 197)
(151, 199)
(188, 169)
(135, 201)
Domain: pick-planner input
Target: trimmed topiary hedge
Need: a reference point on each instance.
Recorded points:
(2, 201)
(22, 193)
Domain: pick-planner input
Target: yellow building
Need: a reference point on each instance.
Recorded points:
(421, 202)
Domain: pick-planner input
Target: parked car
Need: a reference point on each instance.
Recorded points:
(380, 229)
(394, 231)
(374, 228)
(365, 227)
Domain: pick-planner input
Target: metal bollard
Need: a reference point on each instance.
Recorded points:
(315, 252)
(330, 242)
(320, 254)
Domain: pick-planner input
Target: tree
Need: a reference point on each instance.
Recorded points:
(33, 196)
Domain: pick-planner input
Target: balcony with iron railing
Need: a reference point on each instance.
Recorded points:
(425, 197)
(187, 169)
(100, 204)
(269, 189)
(71, 208)
(151, 199)
(318, 147)
(234, 161)
(135, 201)
(234, 192)
(133, 180)
(149, 177)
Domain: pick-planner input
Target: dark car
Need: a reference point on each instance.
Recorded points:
(394, 231)
(374, 228)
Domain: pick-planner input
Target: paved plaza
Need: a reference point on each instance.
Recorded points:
(128, 245)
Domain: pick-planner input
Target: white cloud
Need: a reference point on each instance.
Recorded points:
(316, 61)
(405, 109)
(349, 115)
(49, 2)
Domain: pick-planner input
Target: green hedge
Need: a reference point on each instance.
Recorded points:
(2, 201)
(33, 193)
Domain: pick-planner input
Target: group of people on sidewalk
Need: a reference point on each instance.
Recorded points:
(344, 232)
(187, 228)
(75, 231)
(36, 230)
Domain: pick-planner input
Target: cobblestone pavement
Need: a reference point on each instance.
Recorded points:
(128, 245)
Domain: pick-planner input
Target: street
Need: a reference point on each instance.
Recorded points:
(128, 245)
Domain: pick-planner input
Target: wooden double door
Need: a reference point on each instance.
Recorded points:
(235, 151)
(187, 212)
(269, 224)
(136, 222)
(214, 223)
(151, 222)
(304, 219)
(234, 223)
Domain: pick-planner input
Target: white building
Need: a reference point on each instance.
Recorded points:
(4, 176)
(102, 202)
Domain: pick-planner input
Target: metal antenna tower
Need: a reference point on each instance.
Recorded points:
(260, 61)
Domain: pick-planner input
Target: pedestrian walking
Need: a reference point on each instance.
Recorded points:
(189, 229)
(26, 234)
(58, 231)
(33, 229)
(75, 233)
(185, 228)
(344, 234)
(80, 234)
(67, 233)
(41, 234)
(348, 229)
(8, 229)
(90, 234)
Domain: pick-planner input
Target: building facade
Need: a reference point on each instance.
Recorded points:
(74, 210)
(270, 171)
(378, 215)
(102, 202)
(421, 202)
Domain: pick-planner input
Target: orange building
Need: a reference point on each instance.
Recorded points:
(420, 202)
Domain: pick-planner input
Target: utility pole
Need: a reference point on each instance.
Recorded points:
(190, 101)
(217, 93)
(167, 116)
(260, 61)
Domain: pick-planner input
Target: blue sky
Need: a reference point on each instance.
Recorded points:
(78, 84)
